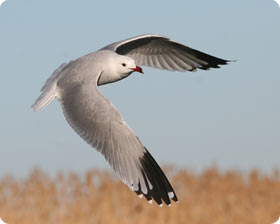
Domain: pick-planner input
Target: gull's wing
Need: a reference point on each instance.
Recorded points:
(101, 125)
(163, 53)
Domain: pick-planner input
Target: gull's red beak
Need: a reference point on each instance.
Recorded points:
(138, 69)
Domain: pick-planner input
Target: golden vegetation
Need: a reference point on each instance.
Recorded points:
(98, 197)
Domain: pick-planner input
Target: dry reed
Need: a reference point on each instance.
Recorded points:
(98, 197)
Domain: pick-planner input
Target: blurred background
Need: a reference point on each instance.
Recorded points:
(227, 117)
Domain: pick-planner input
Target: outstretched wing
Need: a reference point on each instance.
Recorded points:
(101, 125)
(163, 53)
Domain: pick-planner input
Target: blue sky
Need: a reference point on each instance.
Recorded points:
(228, 116)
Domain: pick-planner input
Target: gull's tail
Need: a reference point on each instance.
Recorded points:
(45, 98)
(49, 90)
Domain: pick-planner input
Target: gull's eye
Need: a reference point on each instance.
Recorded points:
(123, 64)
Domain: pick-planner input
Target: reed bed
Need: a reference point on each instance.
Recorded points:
(99, 197)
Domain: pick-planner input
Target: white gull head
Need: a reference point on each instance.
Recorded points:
(116, 67)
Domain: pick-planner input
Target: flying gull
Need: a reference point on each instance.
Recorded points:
(97, 120)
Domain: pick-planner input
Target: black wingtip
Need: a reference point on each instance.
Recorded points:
(212, 61)
(162, 189)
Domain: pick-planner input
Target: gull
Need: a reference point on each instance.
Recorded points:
(97, 120)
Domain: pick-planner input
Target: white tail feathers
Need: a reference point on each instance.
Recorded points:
(49, 90)
(45, 98)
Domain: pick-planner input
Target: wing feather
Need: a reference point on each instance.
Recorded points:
(182, 66)
(156, 62)
(148, 49)
(101, 125)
